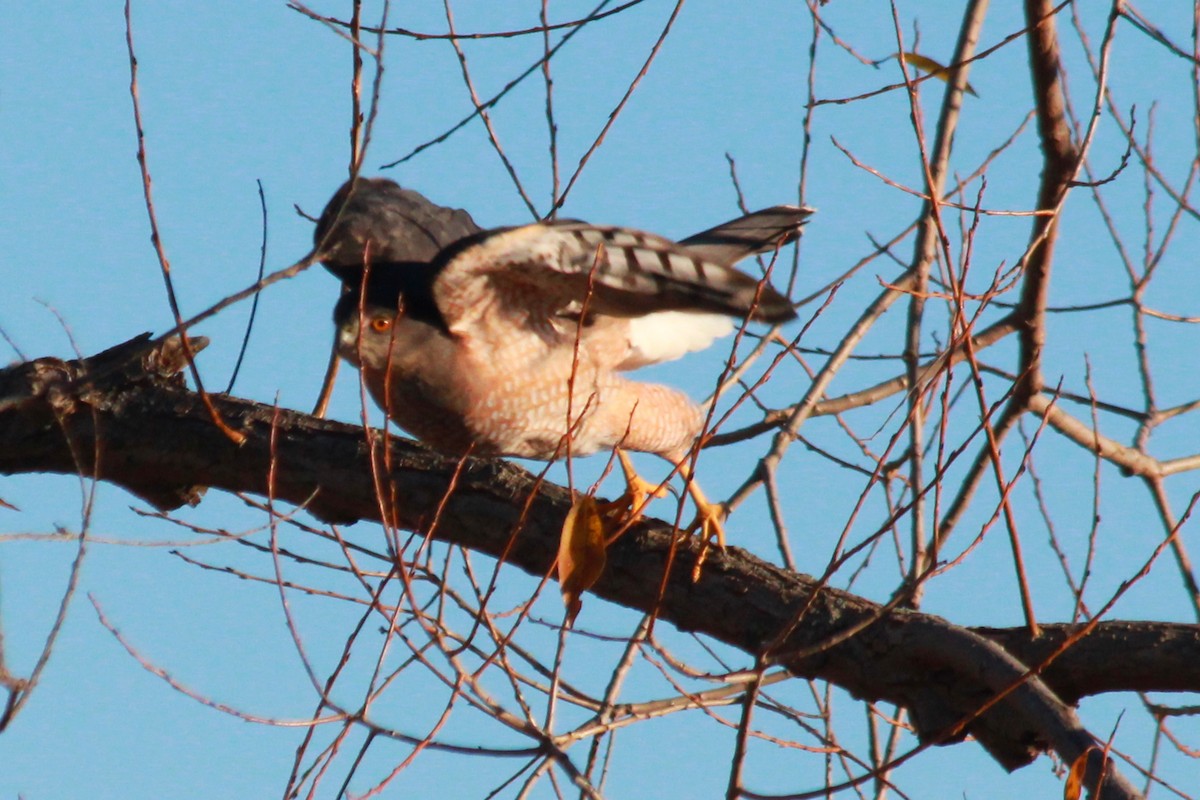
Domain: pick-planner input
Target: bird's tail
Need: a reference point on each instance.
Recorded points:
(758, 232)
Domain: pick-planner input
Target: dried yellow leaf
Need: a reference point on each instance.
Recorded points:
(581, 553)
(928, 65)
(1074, 787)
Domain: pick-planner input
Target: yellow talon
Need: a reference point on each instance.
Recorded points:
(638, 491)
(710, 520)
(709, 523)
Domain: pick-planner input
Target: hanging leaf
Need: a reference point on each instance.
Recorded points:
(1074, 787)
(581, 553)
(928, 65)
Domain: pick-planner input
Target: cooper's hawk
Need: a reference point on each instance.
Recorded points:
(512, 342)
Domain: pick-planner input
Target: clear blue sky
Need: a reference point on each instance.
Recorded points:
(232, 93)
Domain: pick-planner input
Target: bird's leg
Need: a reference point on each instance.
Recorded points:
(709, 521)
(710, 517)
(638, 491)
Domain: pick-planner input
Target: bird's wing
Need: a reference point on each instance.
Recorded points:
(667, 335)
(376, 216)
(542, 271)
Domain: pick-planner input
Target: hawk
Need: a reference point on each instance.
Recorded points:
(515, 341)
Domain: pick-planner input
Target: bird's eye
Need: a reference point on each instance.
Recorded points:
(381, 324)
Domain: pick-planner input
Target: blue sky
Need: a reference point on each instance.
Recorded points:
(235, 93)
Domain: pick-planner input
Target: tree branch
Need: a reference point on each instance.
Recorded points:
(155, 439)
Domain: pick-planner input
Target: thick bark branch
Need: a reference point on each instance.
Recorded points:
(1060, 162)
(156, 440)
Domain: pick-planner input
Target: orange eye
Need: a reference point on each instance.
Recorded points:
(381, 324)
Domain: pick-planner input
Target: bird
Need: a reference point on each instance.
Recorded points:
(514, 341)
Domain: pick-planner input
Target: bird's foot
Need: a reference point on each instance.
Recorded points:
(630, 506)
(709, 524)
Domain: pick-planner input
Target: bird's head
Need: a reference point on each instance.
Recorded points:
(394, 308)
(365, 328)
